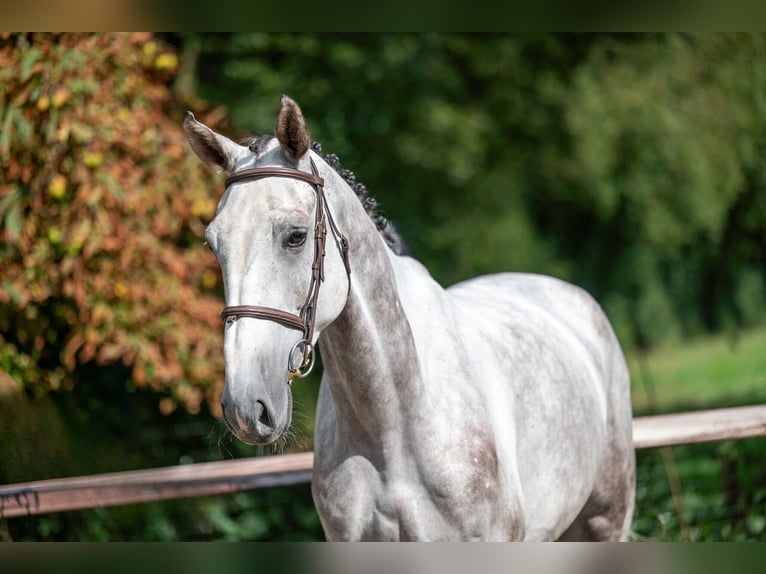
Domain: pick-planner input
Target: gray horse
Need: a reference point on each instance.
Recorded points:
(497, 409)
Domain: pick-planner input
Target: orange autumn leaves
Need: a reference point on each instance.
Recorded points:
(102, 211)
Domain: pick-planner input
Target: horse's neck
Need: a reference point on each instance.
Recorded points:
(369, 352)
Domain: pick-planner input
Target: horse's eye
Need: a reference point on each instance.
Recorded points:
(296, 238)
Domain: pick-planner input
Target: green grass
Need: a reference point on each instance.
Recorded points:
(714, 371)
(721, 484)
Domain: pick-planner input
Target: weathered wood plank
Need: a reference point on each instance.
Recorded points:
(698, 427)
(212, 478)
(185, 481)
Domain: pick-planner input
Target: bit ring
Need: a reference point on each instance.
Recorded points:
(307, 363)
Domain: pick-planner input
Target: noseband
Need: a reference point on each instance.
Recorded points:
(306, 319)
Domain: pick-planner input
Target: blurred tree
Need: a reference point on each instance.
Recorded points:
(626, 163)
(110, 339)
(668, 140)
(102, 213)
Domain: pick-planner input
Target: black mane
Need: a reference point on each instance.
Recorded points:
(384, 226)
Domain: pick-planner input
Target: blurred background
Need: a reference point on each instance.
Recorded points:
(631, 165)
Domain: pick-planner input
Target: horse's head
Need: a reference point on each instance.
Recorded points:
(267, 236)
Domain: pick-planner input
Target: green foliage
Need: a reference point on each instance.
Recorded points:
(710, 372)
(722, 494)
(628, 164)
(666, 134)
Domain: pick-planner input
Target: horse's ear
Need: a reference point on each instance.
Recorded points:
(216, 151)
(291, 130)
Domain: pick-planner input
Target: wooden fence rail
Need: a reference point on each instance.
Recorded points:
(213, 478)
(184, 481)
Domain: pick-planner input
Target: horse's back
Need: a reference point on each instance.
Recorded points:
(526, 300)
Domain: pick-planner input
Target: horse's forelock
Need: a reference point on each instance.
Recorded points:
(257, 144)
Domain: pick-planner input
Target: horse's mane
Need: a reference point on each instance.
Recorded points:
(384, 225)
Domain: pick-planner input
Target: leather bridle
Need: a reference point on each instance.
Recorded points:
(306, 319)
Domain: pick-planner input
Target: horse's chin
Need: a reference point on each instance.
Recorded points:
(257, 439)
(258, 433)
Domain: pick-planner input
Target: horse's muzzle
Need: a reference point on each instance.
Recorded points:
(259, 426)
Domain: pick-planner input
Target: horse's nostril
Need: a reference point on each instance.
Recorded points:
(263, 414)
